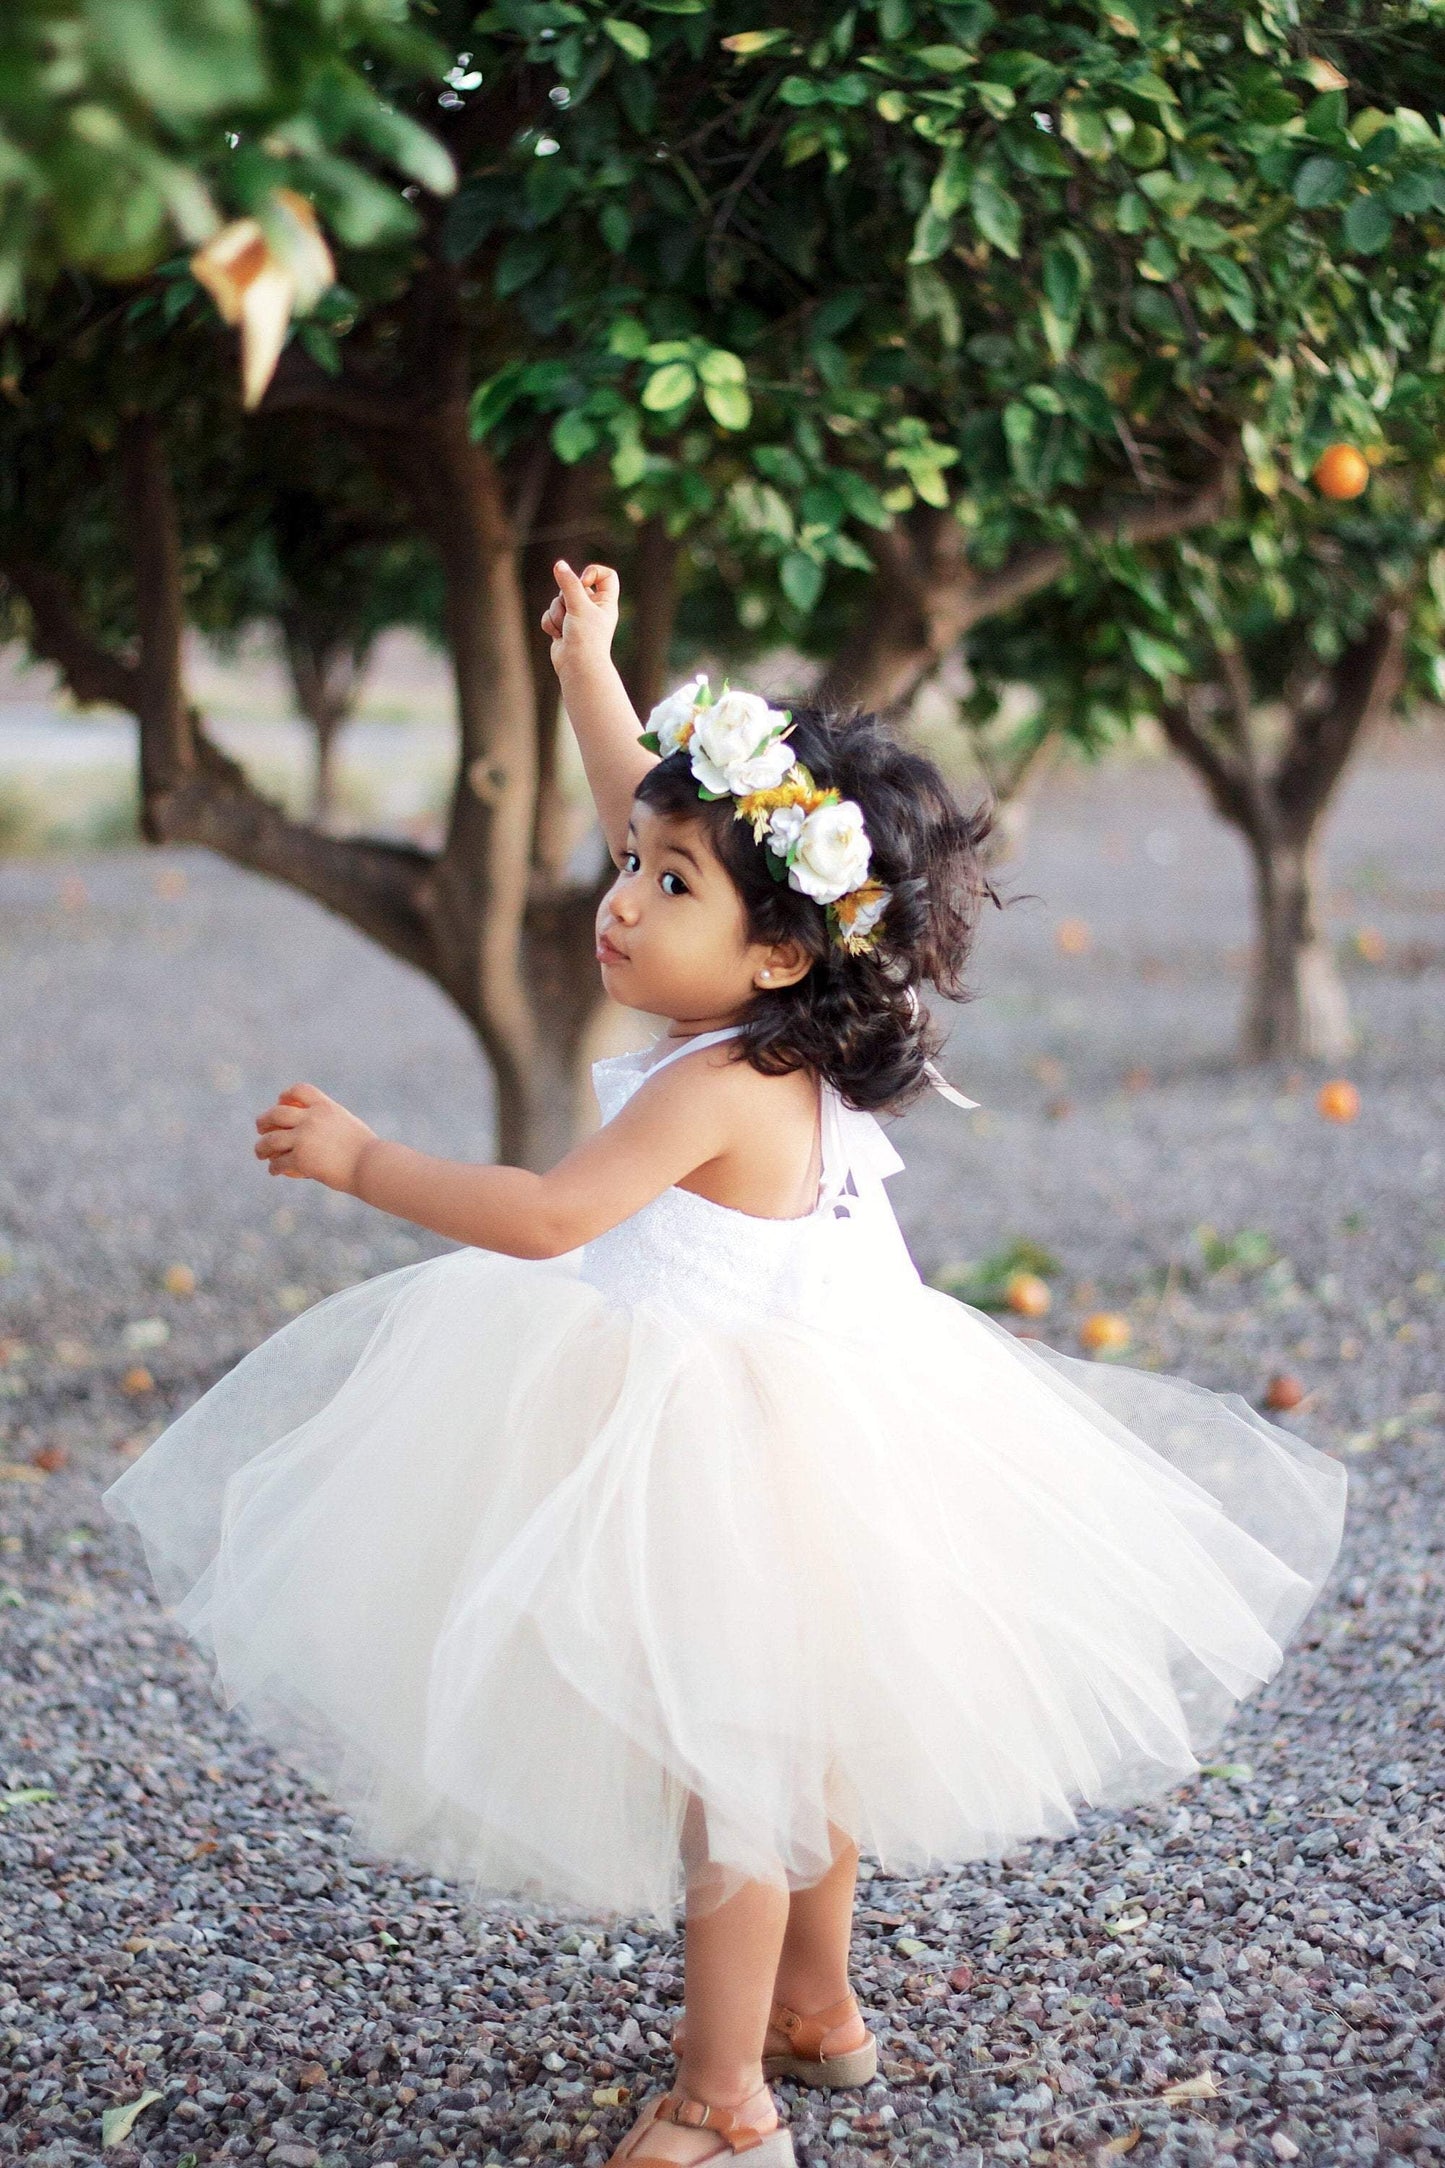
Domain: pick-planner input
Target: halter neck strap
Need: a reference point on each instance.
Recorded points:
(690, 1045)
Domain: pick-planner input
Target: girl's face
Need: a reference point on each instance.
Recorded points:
(672, 934)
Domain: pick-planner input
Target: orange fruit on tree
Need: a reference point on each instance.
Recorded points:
(1338, 1101)
(1341, 470)
(1104, 1332)
(1027, 1294)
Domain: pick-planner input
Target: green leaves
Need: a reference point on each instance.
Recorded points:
(945, 59)
(949, 191)
(573, 437)
(724, 388)
(1067, 272)
(154, 122)
(918, 454)
(630, 38)
(996, 212)
(1160, 659)
(1320, 181)
(683, 366)
(670, 386)
(931, 235)
(802, 580)
(1368, 225)
(1235, 288)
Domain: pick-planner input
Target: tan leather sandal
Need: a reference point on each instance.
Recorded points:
(765, 2148)
(806, 2054)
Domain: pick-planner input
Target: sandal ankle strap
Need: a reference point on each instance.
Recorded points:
(725, 2123)
(806, 2034)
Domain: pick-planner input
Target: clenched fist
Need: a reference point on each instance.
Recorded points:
(312, 1138)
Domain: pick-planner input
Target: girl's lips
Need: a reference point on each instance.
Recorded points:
(607, 953)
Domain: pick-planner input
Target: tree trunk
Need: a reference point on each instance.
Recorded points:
(483, 875)
(167, 748)
(561, 506)
(1297, 1008)
(325, 677)
(654, 614)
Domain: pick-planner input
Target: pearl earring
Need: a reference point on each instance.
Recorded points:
(765, 974)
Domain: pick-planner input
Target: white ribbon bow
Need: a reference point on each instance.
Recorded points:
(932, 1071)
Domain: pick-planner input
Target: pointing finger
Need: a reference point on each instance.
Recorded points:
(574, 594)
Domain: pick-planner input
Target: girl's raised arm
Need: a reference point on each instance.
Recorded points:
(581, 622)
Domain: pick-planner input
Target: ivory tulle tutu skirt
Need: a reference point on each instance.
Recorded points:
(515, 1559)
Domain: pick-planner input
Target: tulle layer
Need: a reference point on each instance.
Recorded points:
(513, 1571)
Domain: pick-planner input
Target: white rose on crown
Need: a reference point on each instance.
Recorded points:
(785, 827)
(832, 853)
(672, 718)
(735, 746)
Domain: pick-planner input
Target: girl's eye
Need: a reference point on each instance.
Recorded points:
(681, 888)
(635, 861)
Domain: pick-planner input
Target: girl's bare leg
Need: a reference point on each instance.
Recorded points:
(730, 1959)
(812, 1971)
(813, 1962)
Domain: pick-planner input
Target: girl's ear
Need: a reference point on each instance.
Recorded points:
(784, 964)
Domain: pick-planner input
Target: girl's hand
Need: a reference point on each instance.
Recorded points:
(310, 1137)
(582, 617)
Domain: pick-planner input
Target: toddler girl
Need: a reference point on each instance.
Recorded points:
(670, 1540)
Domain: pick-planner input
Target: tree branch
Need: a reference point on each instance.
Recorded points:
(1239, 689)
(929, 597)
(1156, 520)
(384, 889)
(1366, 683)
(300, 386)
(92, 671)
(1223, 777)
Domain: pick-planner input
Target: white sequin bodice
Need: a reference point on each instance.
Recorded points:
(686, 1254)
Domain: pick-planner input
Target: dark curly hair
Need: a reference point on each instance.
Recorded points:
(855, 1020)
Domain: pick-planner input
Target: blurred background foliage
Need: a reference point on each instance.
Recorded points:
(925, 342)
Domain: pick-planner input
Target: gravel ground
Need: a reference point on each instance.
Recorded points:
(1252, 1970)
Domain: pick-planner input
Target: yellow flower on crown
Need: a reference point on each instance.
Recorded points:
(796, 789)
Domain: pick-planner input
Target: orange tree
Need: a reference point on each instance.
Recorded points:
(878, 321)
(1269, 645)
(1266, 650)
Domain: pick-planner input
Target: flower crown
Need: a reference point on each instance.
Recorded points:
(813, 837)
